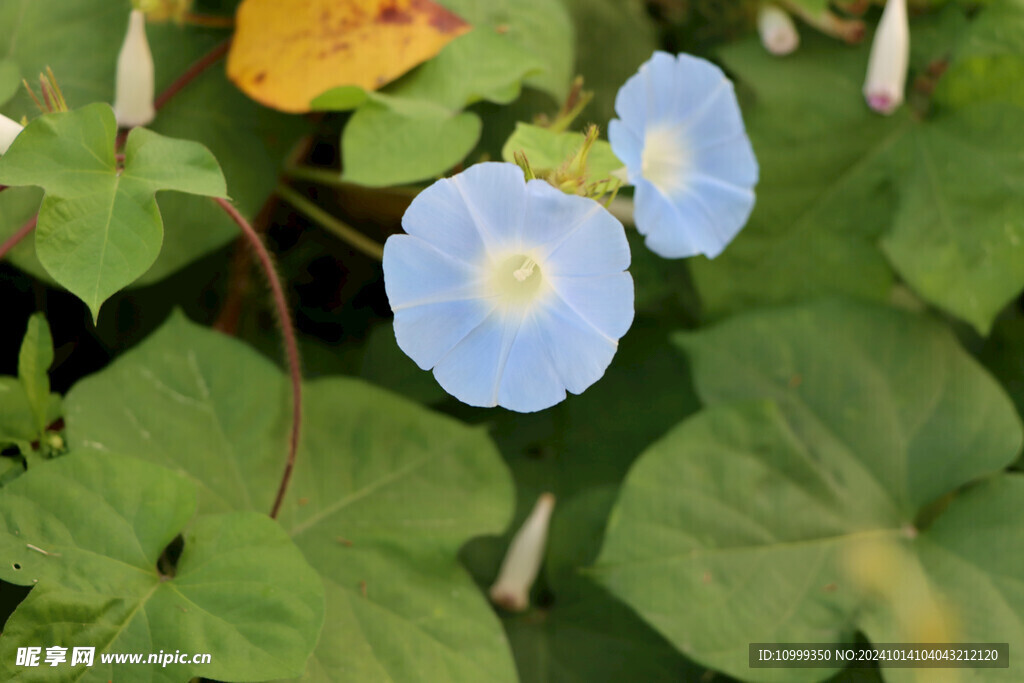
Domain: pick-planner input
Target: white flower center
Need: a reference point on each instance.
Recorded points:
(517, 279)
(666, 159)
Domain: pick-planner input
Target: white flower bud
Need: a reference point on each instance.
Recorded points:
(9, 130)
(890, 55)
(522, 562)
(778, 32)
(133, 100)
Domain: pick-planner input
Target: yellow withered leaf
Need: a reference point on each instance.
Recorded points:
(286, 52)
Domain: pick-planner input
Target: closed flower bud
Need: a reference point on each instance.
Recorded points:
(522, 562)
(890, 55)
(133, 101)
(9, 130)
(778, 32)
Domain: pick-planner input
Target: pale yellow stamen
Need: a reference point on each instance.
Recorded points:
(517, 279)
(526, 270)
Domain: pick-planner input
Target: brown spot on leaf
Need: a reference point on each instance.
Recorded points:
(442, 19)
(390, 14)
(286, 52)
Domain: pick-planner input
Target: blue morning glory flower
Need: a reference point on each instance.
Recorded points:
(512, 291)
(681, 136)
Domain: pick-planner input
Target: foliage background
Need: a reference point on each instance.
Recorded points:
(749, 467)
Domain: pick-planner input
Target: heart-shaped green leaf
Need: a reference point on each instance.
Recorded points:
(387, 145)
(86, 531)
(249, 141)
(99, 226)
(801, 506)
(384, 493)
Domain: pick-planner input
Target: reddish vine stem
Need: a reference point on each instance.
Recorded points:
(291, 345)
(22, 233)
(209, 21)
(230, 315)
(238, 278)
(190, 74)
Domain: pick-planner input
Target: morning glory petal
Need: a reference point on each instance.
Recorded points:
(531, 310)
(661, 217)
(628, 146)
(427, 333)
(495, 196)
(726, 208)
(699, 87)
(717, 120)
(531, 382)
(423, 275)
(603, 301)
(729, 162)
(631, 106)
(473, 369)
(658, 72)
(579, 351)
(551, 215)
(595, 245)
(440, 217)
(683, 115)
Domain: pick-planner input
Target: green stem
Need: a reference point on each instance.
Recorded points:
(320, 176)
(348, 234)
(332, 178)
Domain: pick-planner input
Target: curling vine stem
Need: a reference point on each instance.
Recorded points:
(284, 320)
